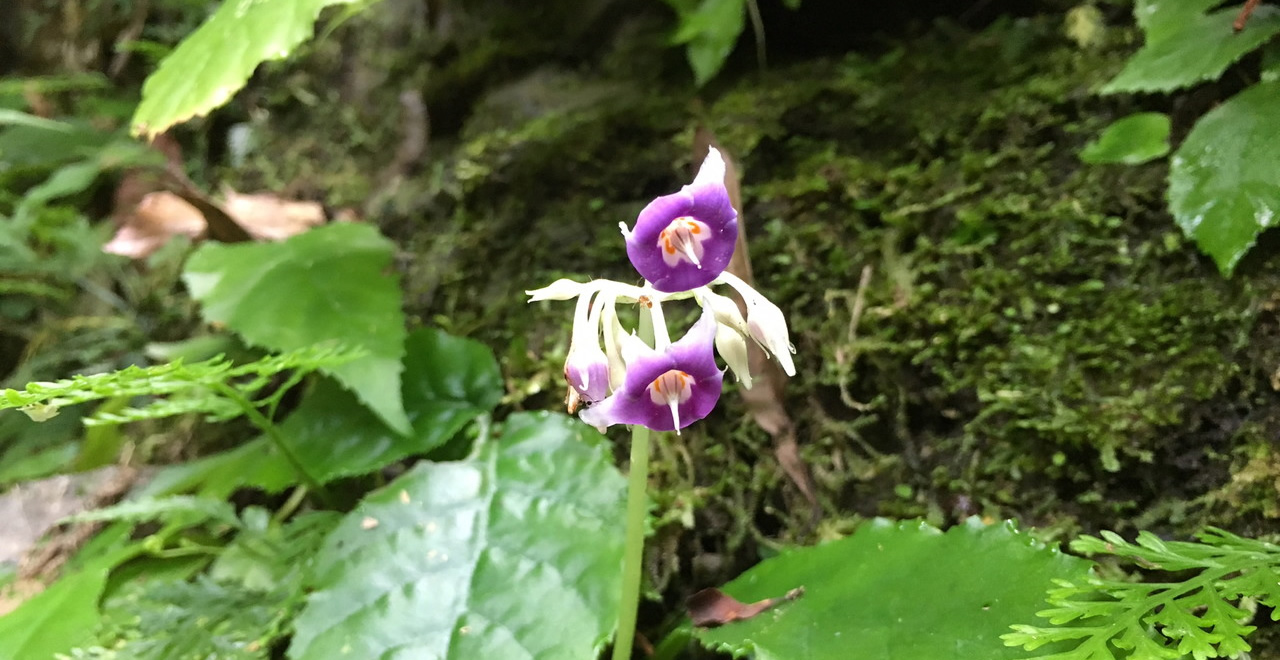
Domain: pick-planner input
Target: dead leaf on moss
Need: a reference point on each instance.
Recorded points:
(765, 399)
(711, 607)
(156, 220)
(161, 216)
(270, 218)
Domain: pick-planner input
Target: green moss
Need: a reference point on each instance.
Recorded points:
(1036, 334)
(1037, 340)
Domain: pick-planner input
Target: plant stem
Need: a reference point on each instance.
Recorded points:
(633, 551)
(273, 434)
(637, 509)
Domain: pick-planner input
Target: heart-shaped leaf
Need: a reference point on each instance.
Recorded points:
(513, 553)
(327, 285)
(1223, 189)
(216, 60)
(897, 590)
(448, 382)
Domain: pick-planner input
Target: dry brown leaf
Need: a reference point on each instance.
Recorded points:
(156, 220)
(158, 216)
(268, 217)
(711, 607)
(765, 398)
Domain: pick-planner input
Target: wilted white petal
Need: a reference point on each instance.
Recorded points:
(561, 289)
(733, 348)
(614, 336)
(769, 327)
(725, 309)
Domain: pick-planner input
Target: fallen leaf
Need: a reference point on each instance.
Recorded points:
(156, 220)
(711, 607)
(270, 218)
(765, 397)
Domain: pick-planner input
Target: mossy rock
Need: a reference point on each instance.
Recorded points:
(1038, 341)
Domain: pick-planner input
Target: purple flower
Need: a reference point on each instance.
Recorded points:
(666, 390)
(684, 240)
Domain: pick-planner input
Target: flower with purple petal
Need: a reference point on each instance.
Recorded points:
(684, 240)
(665, 390)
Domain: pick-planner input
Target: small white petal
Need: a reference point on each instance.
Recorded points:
(733, 348)
(769, 328)
(724, 308)
(562, 289)
(712, 170)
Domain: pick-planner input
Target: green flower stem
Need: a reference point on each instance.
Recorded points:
(633, 552)
(637, 509)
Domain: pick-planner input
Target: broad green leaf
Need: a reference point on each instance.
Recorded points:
(1194, 49)
(513, 553)
(1161, 18)
(448, 381)
(1223, 189)
(327, 285)
(901, 590)
(216, 60)
(1135, 139)
(56, 620)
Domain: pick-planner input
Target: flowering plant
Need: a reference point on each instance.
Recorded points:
(681, 245)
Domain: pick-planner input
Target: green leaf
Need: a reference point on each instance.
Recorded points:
(513, 553)
(1161, 18)
(186, 510)
(327, 285)
(216, 60)
(1222, 186)
(1188, 613)
(1131, 140)
(710, 33)
(448, 382)
(901, 590)
(56, 620)
(15, 118)
(255, 464)
(1188, 50)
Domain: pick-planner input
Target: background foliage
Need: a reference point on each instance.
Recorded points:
(1037, 341)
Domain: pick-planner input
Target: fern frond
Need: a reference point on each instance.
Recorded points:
(191, 388)
(1199, 617)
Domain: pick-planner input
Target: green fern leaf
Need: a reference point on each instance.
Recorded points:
(1197, 617)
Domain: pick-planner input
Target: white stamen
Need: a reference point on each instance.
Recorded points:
(686, 248)
(672, 389)
(682, 241)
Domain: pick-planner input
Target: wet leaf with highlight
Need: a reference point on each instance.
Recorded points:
(1223, 189)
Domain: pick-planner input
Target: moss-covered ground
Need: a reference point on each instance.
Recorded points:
(1037, 340)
